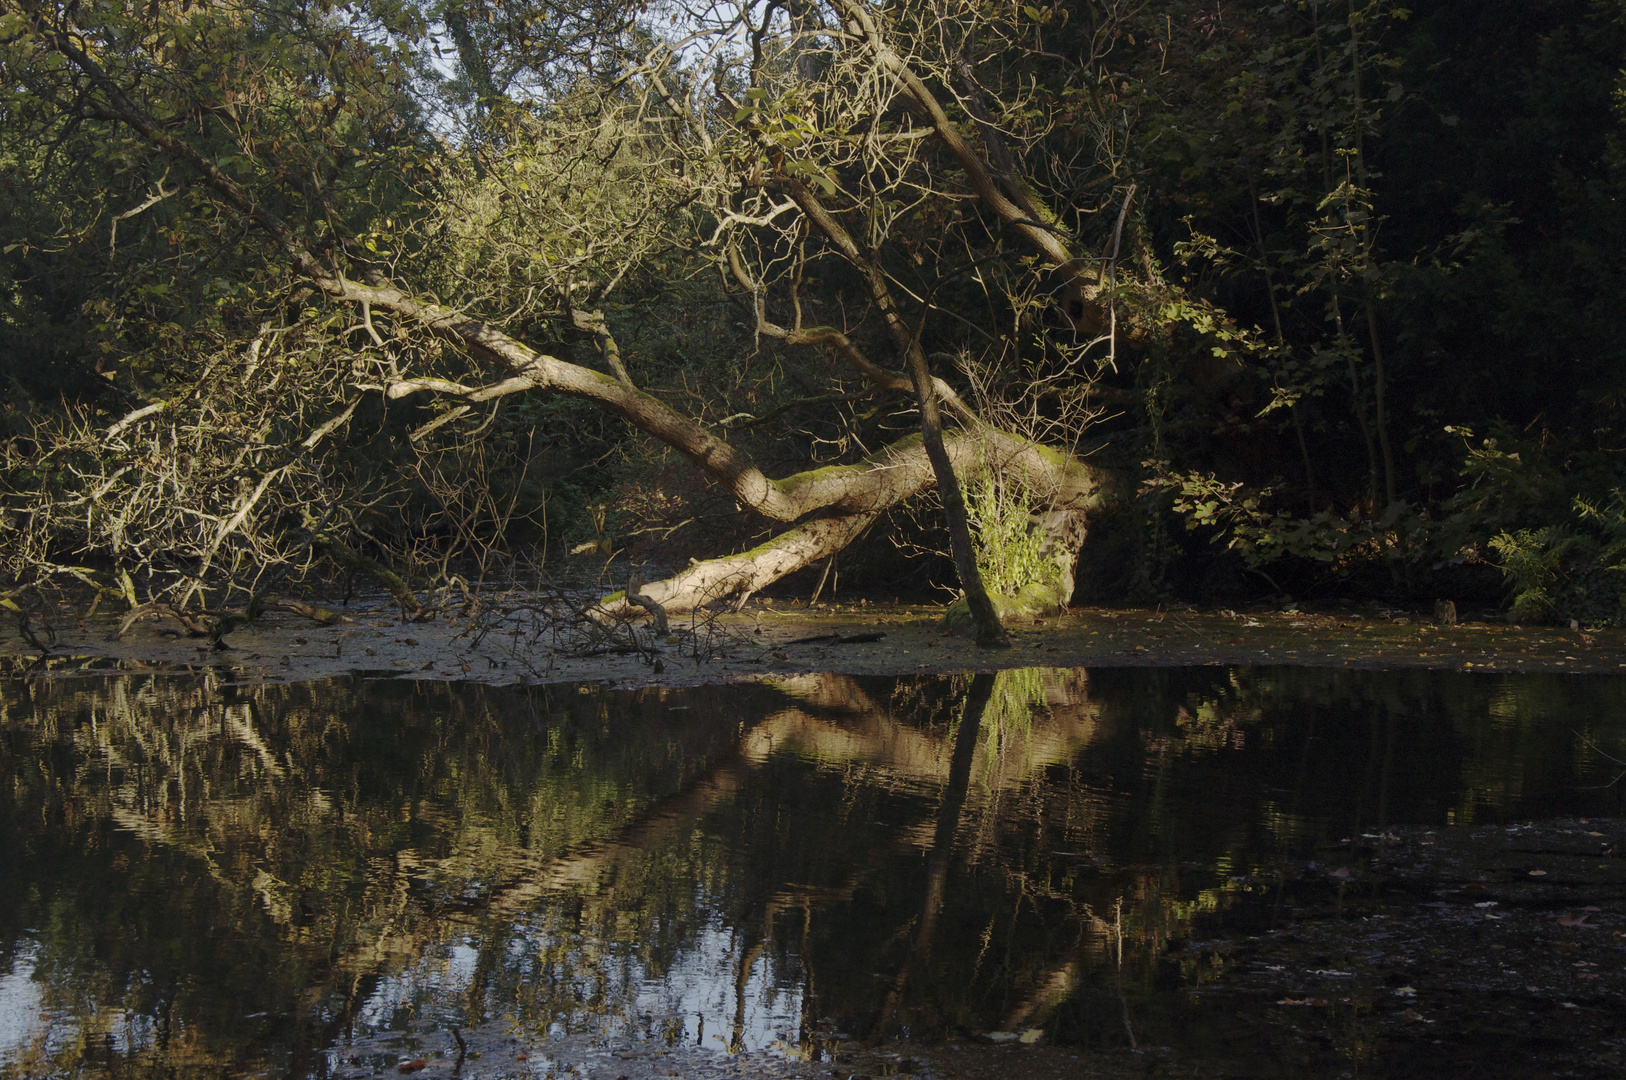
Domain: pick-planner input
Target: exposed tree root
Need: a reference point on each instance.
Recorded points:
(648, 603)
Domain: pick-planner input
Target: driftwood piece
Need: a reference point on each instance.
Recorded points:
(195, 623)
(321, 615)
(656, 611)
(837, 639)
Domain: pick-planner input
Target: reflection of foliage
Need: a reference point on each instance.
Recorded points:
(1009, 716)
(1206, 726)
(326, 828)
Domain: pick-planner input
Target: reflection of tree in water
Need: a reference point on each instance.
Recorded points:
(277, 850)
(875, 855)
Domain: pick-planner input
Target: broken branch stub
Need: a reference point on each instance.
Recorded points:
(652, 606)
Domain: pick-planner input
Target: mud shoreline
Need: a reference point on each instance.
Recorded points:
(771, 639)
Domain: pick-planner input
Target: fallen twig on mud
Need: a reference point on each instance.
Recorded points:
(208, 624)
(837, 639)
(25, 626)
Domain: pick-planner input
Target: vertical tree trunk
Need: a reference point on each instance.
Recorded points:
(990, 632)
(1378, 390)
(1355, 400)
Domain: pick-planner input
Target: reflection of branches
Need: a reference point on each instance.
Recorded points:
(942, 850)
(1595, 748)
(492, 866)
(1118, 966)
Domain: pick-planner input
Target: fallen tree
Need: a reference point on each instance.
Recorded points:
(1067, 491)
(809, 158)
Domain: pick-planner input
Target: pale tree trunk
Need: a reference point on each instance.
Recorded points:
(1064, 491)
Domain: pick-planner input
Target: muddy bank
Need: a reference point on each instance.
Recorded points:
(770, 638)
(495, 1053)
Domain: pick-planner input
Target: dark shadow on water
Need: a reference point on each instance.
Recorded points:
(198, 877)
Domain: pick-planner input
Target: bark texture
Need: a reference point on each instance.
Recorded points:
(1063, 490)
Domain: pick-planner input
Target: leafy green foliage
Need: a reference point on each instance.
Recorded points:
(1573, 571)
(1010, 552)
(1417, 208)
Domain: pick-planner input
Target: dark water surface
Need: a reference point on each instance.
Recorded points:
(202, 878)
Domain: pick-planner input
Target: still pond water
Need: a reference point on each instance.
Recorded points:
(200, 877)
